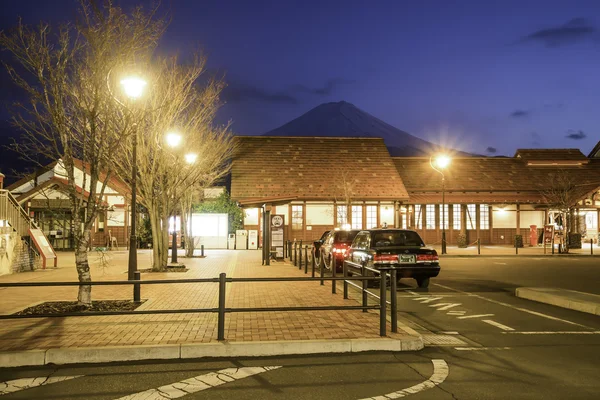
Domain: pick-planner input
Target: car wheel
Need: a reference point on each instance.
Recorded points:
(423, 282)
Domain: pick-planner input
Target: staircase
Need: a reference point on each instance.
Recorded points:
(13, 215)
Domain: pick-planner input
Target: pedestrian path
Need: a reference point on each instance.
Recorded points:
(181, 329)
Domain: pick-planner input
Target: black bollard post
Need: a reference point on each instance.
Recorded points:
(306, 259)
(295, 253)
(300, 254)
(201, 250)
(592, 246)
(221, 313)
(365, 299)
(333, 271)
(478, 246)
(313, 265)
(516, 246)
(322, 271)
(394, 301)
(382, 303)
(136, 287)
(345, 270)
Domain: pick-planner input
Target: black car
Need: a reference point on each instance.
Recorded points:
(335, 245)
(317, 245)
(400, 248)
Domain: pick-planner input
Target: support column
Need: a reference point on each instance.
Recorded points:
(518, 219)
(478, 220)
(268, 234)
(397, 219)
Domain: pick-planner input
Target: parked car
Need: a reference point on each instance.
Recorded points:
(317, 245)
(400, 248)
(335, 245)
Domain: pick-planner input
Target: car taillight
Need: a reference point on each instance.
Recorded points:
(339, 250)
(385, 258)
(427, 258)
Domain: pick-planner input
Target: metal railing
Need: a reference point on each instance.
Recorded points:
(222, 308)
(12, 212)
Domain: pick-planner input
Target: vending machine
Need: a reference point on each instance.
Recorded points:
(241, 239)
(253, 239)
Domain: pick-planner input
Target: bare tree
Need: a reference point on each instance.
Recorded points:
(344, 194)
(179, 102)
(71, 114)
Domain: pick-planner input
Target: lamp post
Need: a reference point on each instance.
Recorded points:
(134, 88)
(441, 161)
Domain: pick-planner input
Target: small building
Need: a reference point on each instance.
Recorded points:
(316, 183)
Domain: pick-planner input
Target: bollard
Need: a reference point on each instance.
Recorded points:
(333, 268)
(394, 301)
(592, 247)
(300, 254)
(221, 320)
(516, 247)
(290, 250)
(136, 287)
(345, 271)
(295, 253)
(322, 271)
(552, 246)
(306, 259)
(382, 303)
(313, 264)
(364, 294)
(201, 250)
(478, 246)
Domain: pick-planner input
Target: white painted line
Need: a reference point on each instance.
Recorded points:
(440, 373)
(498, 325)
(476, 316)
(428, 299)
(558, 333)
(480, 348)
(413, 293)
(513, 307)
(28, 383)
(197, 383)
(446, 306)
(456, 313)
(499, 263)
(450, 333)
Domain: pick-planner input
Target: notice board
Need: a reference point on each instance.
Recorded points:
(277, 239)
(44, 247)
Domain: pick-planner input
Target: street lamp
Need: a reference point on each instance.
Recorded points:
(133, 88)
(439, 163)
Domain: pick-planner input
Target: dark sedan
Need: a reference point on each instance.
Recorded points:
(399, 248)
(335, 246)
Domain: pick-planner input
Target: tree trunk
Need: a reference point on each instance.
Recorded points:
(157, 243)
(164, 235)
(186, 216)
(83, 269)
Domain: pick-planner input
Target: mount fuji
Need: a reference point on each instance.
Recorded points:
(343, 119)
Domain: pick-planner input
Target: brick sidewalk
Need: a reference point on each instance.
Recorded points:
(44, 333)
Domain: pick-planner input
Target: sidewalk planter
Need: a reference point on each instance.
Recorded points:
(518, 240)
(462, 240)
(574, 240)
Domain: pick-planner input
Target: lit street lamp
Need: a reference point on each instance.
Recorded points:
(133, 88)
(439, 163)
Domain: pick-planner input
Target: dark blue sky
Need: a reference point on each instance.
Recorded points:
(471, 74)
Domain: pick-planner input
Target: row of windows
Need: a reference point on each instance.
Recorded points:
(484, 216)
(356, 216)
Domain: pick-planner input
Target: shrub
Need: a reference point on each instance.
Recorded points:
(574, 240)
(462, 240)
(518, 240)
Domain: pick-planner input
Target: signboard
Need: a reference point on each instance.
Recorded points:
(277, 239)
(43, 246)
(548, 236)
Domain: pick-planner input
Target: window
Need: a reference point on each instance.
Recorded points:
(361, 241)
(456, 217)
(418, 217)
(297, 217)
(342, 215)
(371, 217)
(430, 216)
(471, 217)
(444, 216)
(484, 216)
(357, 217)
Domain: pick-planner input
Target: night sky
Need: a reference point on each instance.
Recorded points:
(483, 76)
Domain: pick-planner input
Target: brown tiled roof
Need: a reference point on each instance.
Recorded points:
(504, 177)
(595, 151)
(314, 168)
(551, 155)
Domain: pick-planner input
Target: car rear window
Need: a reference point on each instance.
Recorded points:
(345, 236)
(396, 238)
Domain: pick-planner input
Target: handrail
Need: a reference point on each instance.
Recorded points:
(14, 214)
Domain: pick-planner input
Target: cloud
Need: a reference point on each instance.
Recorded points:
(491, 150)
(520, 114)
(576, 135)
(325, 90)
(536, 139)
(574, 31)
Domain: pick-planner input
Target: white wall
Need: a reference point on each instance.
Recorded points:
(319, 214)
(112, 200)
(116, 218)
(386, 215)
(251, 216)
(8, 243)
(283, 210)
(210, 230)
(532, 218)
(502, 218)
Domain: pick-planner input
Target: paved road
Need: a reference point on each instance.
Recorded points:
(483, 343)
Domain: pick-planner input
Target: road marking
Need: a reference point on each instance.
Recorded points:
(197, 383)
(498, 325)
(424, 300)
(446, 306)
(480, 348)
(513, 307)
(558, 333)
(440, 373)
(476, 316)
(456, 313)
(450, 333)
(28, 383)
(499, 263)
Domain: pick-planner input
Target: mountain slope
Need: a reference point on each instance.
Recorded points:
(343, 119)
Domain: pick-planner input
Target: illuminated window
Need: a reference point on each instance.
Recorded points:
(430, 216)
(484, 216)
(297, 217)
(342, 216)
(418, 217)
(357, 217)
(471, 216)
(371, 217)
(456, 216)
(444, 216)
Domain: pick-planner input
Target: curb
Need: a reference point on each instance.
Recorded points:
(570, 299)
(80, 355)
(515, 255)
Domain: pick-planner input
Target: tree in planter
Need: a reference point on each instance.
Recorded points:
(71, 114)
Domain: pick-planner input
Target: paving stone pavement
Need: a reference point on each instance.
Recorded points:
(44, 333)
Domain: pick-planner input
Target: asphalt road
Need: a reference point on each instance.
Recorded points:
(482, 343)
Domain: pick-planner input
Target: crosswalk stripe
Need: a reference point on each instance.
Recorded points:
(28, 383)
(476, 316)
(498, 325)
(197, 383)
